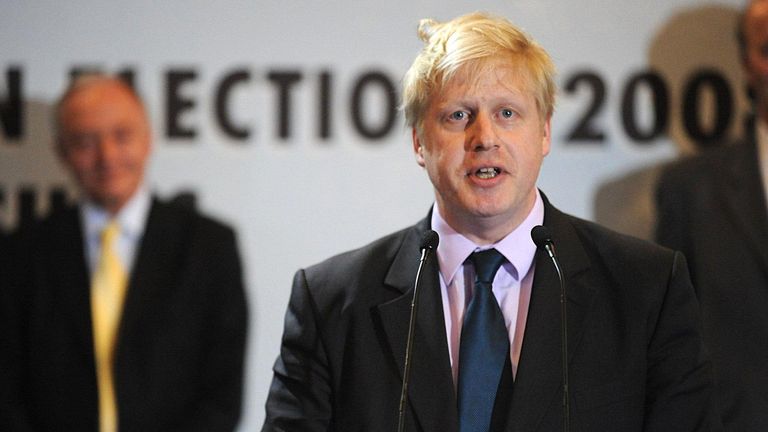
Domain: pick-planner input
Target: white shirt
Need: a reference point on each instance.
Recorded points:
(761, 135)
(131, 218)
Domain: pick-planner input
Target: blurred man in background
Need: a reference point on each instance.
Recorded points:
(123, 312)
(712, 207)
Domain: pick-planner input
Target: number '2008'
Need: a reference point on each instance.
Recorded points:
(586, 128)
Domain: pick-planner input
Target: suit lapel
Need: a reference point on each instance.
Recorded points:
(72, 282)
(159, 258)
(539, 379)
(430, 390)
(744, 200)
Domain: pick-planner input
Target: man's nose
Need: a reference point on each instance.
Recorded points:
(482, 133)
(107, 147)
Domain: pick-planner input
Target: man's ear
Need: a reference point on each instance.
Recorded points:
(418, 148)
(58, 148)
(546, 141)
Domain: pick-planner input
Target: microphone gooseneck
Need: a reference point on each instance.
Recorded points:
(543, 239)
(429, 242)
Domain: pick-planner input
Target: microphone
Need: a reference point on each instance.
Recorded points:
(543, 239)
(429, 242)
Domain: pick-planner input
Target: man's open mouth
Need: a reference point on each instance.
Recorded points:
(487, 172)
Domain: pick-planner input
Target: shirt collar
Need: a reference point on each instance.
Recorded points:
(761, 135)
(517, 246)
(131, 217)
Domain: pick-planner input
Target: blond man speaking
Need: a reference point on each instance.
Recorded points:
(487, 338)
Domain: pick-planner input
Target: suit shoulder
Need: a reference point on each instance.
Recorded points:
(188, 214)
(627, 267)
(59, 221)
(371, 258)
(614, 246)
(56, 217)
(704, 166)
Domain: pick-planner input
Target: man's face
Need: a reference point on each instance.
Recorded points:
(756, 62)
(482, 142)
(105, 142)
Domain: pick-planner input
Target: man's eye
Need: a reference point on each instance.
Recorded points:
(81, 142)
(123, 135)
(458, 115)
(507, 113)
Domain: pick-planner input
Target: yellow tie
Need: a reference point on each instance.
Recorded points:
(107, 293)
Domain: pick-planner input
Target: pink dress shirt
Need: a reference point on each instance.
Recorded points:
(511, 286)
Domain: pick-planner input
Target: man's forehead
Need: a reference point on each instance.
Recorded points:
(102, 92)
(471, 79)
(99, 101)
(757, 17)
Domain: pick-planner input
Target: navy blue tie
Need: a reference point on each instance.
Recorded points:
(484, 347)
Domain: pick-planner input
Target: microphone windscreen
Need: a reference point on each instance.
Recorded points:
(429, 240)
(541, 236)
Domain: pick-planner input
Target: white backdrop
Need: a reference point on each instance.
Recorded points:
(297, 199)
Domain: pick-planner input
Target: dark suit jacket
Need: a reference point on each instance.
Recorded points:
(712, 208)
(635, 355)
(179, 355)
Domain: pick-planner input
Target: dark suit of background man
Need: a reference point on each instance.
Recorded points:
(479, 99)
(713, 208)
(177, 359)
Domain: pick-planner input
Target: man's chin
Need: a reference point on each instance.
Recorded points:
(489, 211)
(110, 202)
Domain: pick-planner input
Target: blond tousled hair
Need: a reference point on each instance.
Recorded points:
(474, 41)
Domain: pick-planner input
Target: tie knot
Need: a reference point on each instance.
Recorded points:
(486, 264)
(109, 233)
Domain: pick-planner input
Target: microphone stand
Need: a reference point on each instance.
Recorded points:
(428, 242)
(543, 239)
(550, 248)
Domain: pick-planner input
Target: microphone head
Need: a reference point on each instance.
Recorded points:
(429, 240)
(541, 236)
